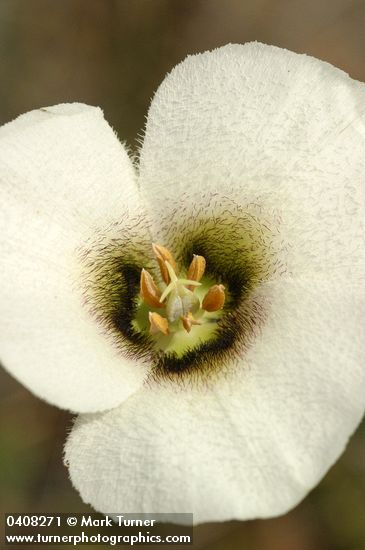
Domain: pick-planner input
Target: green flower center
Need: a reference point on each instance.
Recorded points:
(186, 313)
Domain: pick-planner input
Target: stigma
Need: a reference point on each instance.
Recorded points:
(179, 307)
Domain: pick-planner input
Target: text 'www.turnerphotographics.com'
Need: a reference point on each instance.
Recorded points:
(93, 529)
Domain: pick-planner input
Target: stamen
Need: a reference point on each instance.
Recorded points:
(186, 323)
(214, 298)
(149, 291)
(158, 323)
(188, 320)
(196, 269)
(163, 255)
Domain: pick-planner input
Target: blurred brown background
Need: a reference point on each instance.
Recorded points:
(114, 53)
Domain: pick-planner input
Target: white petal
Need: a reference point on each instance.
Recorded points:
(272, 130)
(253, 443)
(65, 178)
(282, 136)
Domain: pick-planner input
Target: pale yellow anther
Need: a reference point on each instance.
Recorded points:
(214, 298)
(149, 291)
(158, 324)
(163, 255)
(196, 269)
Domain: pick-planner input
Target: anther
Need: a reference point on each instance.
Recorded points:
(188, 321)
(149, 291)
(158, 323)
(164, 255)
(214, 298)
(196, 269)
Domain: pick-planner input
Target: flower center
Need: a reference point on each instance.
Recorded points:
(185, 312)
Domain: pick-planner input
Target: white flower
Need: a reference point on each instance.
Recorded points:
(253, 157)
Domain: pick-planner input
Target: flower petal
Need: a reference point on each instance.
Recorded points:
(65, 178)
(268, 128)
(255, 441)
